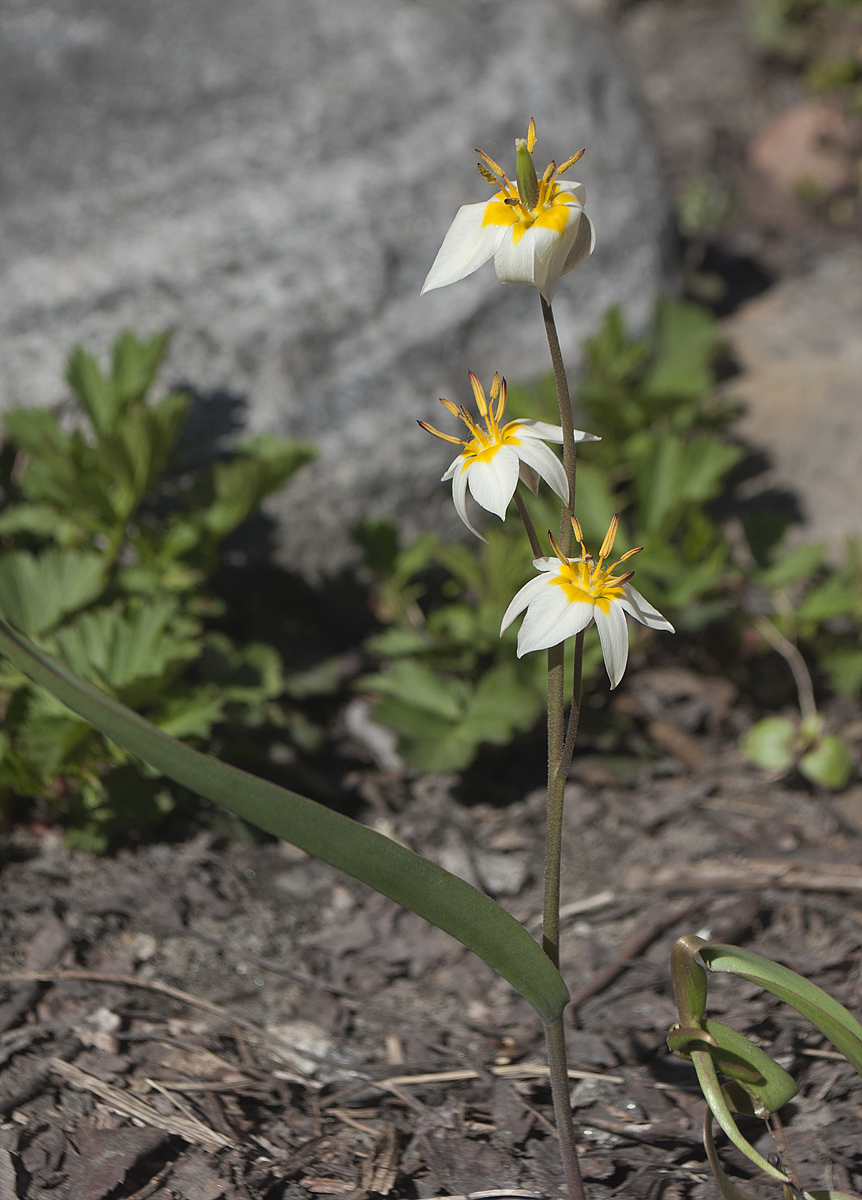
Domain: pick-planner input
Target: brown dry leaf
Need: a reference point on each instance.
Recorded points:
(379, 1172)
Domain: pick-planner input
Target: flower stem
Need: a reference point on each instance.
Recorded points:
(555, 1037)
(566, 424)
(793, 657)
(535, 545)
(561, 745)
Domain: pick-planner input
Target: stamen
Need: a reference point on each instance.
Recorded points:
(450, 407)
(556, 548)
(472, 426)
(501, 403)
(495, 386)
(488, 176)
(624, 578)
(495, 167)
(531, 136)
(570, 162)
(610, 537)
(579, 533)
(447, 437)
(479, 394)
(512, 200)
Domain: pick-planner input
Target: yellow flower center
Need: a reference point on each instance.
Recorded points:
(512, 207)
(586, 581)
(589, 583)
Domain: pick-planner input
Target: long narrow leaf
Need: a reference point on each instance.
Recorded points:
(443, 899)
(830, 1017)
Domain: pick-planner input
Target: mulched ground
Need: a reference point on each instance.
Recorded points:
(235, 1020)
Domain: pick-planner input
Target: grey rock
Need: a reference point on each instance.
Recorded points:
(273, 180)
(800, 349)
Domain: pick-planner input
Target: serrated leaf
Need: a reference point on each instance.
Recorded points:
(262, 464)
(123, 649)
(687, 337)
(135, 362)
(36, 593)
(420, 687)
(35, 430)
(94, 391)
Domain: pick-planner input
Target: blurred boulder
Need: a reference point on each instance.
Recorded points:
(273, 180)
(800, 350)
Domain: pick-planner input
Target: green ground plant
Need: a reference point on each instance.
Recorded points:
(666, 464)
(106, 556)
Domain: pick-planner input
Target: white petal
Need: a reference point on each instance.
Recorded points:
(583, 245)
(452, 468)
(614, 636)
(459, 495)
(540, 429)
(538, 456)
(552, 252)
(520, 601)
(493, 481)
(466, 246)
(577, 190)
(514, 263)
(635, 605)
(550, 565)
(551, 618)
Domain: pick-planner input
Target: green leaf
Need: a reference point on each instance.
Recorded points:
(35, 430)
(37, 593)
(770, 743)
(688, 337)
(135, 363)
(419, 686)
(736, 1056)
(124, 650)
(844, 668)
(443, 899)
(800, 562)
(830, 1017)
(93, 390)
(41, 521)
(262, 464)
(190, 714)
(829, 763)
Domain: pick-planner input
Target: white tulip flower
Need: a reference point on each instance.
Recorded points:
(535, 229)
(571, 593)
(494, 458)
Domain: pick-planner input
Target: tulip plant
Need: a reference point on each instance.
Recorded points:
(536, 230)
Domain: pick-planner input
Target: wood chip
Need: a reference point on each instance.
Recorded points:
(708, 873)
(186, 1127)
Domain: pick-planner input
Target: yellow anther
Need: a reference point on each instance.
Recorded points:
(610, 538)
(450, 407)
(495, 167)
(555, 545)
(495, 386)
(479, 394)
(570, 162)
(531, 136)
(488, 176)
(501, 403)
(576, 526)
(447, 437)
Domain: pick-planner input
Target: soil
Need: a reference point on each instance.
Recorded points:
(213, 1018)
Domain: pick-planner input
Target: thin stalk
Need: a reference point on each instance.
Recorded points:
(554, 820)
(555, 1037)
(535, 545)
(566, 424)
(793, 657)
(561, 744)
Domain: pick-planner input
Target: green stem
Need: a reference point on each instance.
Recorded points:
(555, 1037)
(561, 746)
(566, 424)
(556, 788)
(535, 545)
